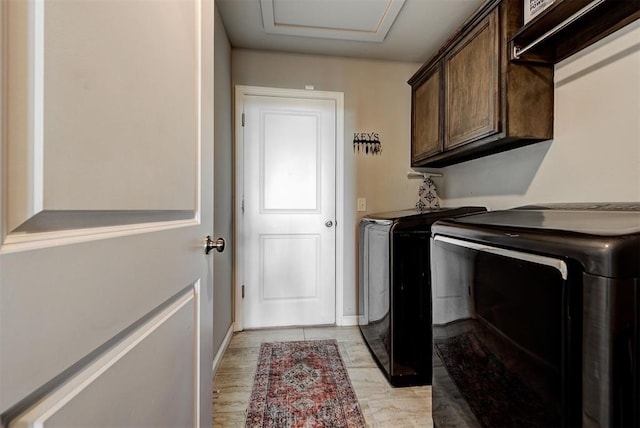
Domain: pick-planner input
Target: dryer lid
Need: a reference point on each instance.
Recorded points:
(604, 238)
(591, 219)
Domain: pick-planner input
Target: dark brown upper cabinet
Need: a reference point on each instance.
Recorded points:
(426, 117)
(469, 100)
(472, 85)
(568, 26)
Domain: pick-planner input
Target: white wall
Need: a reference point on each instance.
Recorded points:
(376, 99)
(595, 154)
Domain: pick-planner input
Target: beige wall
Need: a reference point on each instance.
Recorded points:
(223, 192)
(595, 155)
(376, 99)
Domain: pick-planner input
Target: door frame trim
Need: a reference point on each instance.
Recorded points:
(338, 98)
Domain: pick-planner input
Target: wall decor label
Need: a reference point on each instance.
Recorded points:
(367, 142)
(533, 7)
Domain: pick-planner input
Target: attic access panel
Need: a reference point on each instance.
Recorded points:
(368, 21)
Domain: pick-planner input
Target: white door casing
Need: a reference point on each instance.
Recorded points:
(288, 225)
(107, 181)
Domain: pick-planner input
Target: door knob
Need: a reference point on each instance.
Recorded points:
(329, 223)
(210, 244)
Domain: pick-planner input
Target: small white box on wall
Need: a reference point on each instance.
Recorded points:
(533, 7)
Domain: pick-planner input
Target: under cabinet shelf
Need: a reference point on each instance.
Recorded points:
(604, 19)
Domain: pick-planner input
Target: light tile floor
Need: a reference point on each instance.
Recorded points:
(381, 404)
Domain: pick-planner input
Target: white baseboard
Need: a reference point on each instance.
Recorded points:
(350, 320)
(223, 347)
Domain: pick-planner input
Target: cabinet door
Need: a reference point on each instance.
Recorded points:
(426, 137)
(471, 73)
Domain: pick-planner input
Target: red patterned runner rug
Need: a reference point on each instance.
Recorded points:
(302, 384)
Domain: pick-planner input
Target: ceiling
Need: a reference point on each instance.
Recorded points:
(393, 30)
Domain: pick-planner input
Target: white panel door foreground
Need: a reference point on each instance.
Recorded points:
(107, 193)
(289, 232)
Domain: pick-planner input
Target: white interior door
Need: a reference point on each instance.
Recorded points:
(289, 221)
(105, 292)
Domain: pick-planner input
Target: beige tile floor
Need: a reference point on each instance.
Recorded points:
(381, 404)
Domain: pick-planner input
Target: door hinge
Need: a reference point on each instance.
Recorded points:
(243, 291)
(242, 119)
(242, 205)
